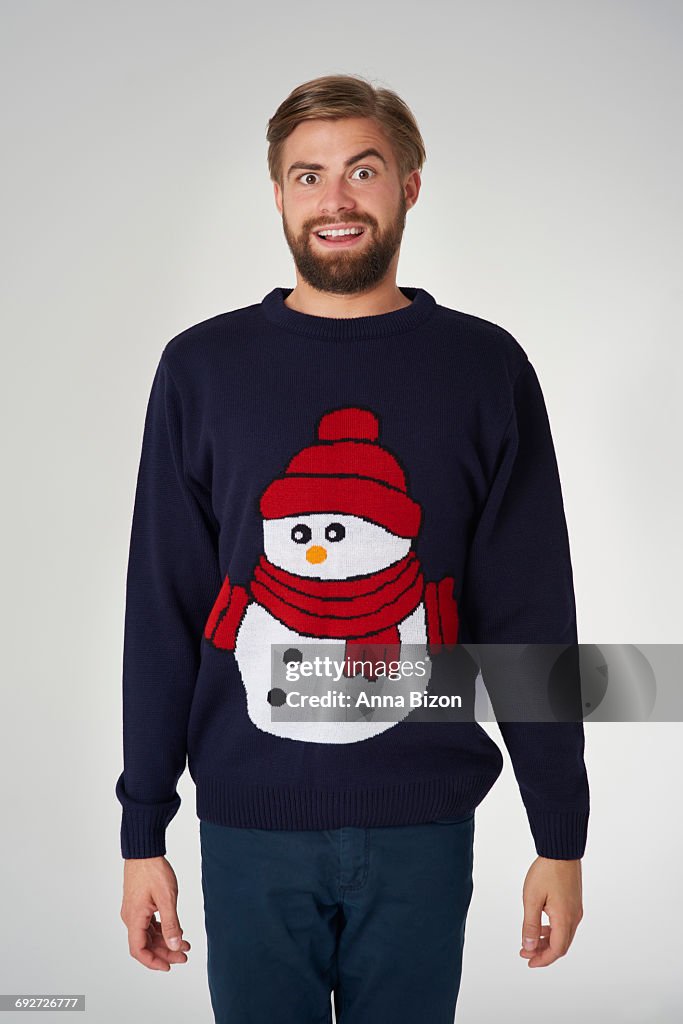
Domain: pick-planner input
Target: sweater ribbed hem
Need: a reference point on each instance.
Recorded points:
(282, 807)
(561, 835)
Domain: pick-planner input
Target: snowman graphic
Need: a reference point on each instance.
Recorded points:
(338, 567)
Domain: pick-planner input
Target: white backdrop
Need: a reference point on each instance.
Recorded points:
(136, 203)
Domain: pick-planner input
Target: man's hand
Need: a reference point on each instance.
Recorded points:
(555, 887)
(150, 885)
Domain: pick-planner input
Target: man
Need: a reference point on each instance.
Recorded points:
(350, 463)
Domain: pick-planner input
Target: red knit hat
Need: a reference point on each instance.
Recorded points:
(348, 471)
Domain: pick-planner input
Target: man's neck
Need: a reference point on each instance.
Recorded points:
(384, 298)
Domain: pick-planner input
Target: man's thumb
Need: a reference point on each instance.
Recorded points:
(170, 927)
(531, 930)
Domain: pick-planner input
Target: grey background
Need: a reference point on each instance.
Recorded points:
(137, 202)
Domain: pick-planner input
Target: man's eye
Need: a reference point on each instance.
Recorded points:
(311, 174)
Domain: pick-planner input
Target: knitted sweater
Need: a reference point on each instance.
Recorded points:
(368, 483)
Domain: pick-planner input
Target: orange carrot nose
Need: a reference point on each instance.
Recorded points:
(316, 554)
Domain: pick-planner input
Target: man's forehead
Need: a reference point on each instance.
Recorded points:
(317, 138)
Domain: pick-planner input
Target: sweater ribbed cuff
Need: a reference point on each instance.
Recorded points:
(560, 835)
(143, 826)
(143, 835)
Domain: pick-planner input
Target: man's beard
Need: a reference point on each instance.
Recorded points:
(350, 270)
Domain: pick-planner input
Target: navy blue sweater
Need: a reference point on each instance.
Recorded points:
(367, 479)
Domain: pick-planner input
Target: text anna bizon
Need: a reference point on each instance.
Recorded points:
(340, 699)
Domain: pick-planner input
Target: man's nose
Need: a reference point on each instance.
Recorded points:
(336, 196)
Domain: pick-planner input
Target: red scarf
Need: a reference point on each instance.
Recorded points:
(365, 610)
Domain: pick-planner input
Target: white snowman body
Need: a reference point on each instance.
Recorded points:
(324, 546)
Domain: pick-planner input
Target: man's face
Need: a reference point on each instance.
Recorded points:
(324, 190)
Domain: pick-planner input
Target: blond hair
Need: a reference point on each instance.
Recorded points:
(332, 97)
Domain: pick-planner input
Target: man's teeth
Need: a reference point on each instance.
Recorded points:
(337, 232)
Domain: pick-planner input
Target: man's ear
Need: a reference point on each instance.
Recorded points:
(278, 196)
(412, 188)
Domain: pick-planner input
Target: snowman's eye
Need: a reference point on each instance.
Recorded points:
(335, 531)
(301, 533)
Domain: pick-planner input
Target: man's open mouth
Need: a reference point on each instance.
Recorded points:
(339, 236)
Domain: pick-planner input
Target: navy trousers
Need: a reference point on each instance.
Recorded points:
(374, 915)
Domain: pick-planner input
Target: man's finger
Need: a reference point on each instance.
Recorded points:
(558, 943)
(531, 926)
(158, 936)
(138, 937)
(540, 945)
(157, 944)
(170, 925)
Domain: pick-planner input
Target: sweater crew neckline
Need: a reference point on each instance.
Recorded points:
(354, 328)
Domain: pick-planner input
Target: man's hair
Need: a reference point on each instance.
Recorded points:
(332, 97)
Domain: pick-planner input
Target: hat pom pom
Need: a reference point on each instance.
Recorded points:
(350, 423)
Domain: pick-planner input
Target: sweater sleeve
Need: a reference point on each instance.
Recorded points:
(173, 576)
(518, 589)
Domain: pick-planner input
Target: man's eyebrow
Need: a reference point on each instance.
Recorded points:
(301, 165)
